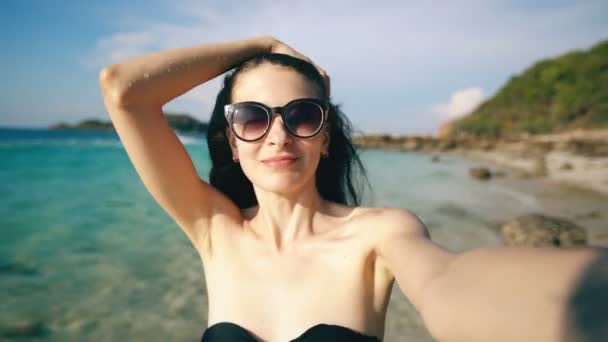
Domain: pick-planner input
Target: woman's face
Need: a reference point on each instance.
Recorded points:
(275, 86)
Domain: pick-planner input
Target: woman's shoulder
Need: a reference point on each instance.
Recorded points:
(380, 218)
(386, 215)
(387, 219)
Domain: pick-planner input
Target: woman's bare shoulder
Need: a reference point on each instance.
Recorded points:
(376, 224)
(390, 218)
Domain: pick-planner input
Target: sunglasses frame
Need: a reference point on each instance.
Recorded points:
(229, 110)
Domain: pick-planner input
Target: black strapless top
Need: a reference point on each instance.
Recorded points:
(232, 332)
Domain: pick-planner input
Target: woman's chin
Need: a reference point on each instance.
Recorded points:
(281, 180)
(281, 184)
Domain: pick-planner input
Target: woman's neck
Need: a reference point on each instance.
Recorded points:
(282, 219)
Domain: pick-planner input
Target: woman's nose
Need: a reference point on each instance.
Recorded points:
(277, 133)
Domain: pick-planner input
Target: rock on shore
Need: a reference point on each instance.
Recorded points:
(535, 230)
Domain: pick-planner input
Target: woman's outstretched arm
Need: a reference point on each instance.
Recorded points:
(521, 294)
(497, 293)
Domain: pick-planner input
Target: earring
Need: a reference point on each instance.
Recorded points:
(236, 160)
(324, 154)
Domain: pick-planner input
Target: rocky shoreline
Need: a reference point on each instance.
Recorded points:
(578, 158)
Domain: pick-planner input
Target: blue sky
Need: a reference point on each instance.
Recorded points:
(396, 66)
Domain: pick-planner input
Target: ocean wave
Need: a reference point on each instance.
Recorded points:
(79, 142)
(190, 140)
(529, 200)
(59, 142)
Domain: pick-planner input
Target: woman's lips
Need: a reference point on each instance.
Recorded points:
(280, 162)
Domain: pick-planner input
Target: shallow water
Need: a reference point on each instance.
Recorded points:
(87, 253)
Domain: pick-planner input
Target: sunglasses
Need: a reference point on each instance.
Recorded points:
(303, 118)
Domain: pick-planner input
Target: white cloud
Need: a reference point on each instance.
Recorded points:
(365, 39)
(420, 49)
(461, 102)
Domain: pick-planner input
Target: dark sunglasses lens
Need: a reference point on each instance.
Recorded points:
(304, 119)
(250, 122)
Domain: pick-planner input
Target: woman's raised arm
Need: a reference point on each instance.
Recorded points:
(157, 78)
(134, 92)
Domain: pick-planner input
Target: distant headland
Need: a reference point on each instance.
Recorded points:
(550, 121)
(183, 123)
(554, 95)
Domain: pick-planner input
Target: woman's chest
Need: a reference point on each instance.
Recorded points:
(319, 281)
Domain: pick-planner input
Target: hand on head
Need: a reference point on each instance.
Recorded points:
(280, 47)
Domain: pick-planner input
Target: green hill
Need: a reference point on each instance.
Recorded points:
(182, 123)
(554, 95)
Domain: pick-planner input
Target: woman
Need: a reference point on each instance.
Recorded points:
(285, 257)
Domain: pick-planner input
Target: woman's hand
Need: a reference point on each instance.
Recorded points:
(278, 46)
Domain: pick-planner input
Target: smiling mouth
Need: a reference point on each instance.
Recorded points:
(282, 162)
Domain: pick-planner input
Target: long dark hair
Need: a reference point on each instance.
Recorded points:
(335, 174)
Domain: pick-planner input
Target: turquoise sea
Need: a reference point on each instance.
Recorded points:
(87, 255)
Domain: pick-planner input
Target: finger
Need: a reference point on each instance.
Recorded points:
(327, 85)
(321, 71)
(325, 77)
